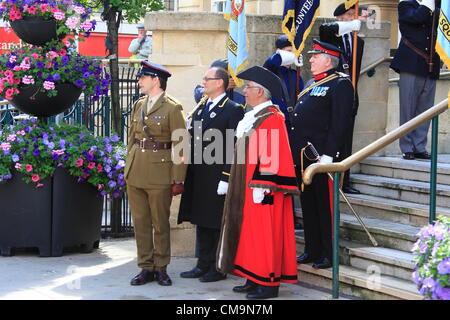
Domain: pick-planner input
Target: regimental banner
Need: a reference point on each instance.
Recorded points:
(237, 38)
(298, 18)
(350, 3)
(443, 35)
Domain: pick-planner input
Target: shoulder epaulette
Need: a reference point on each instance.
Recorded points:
(172, 99)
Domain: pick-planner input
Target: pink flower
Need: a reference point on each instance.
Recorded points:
(9, 73)
(35, 178)
(59, 15)
(49, 85)
(80, 10)
(5, 146)
(28, 80)
(21, 133)
(100, 187)
(91, 165)
(11, 137)
(44, 7)
(52, 55)
(18, 166)
(79, 162)
(99, 168)
(39, 185)
(62, 52)
(29, 167)
(32, 10)
(72, 22)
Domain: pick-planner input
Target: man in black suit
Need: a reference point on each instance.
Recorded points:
(320, 117)
(418, 65)
(207, 175)
(340, 34)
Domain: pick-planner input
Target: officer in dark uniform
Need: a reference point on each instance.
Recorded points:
(231, 93)
(207, 179)
(320, 117)
(340, 34)
(283, 63)
(418, 65)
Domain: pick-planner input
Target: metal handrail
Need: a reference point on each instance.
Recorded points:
(375, 64)
(374, 146)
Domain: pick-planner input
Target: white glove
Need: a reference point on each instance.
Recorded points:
(299, 61)
(222, 188)
(348, 26)
(287, 57)
(430, 4)
(258, 194)
(325, 159)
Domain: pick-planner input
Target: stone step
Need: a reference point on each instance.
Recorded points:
(399, 189)
(398, 168)
(387, 234)
(413, 214)
(358, 283)
(383, 261)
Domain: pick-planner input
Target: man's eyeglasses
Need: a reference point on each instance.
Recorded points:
(207, 79)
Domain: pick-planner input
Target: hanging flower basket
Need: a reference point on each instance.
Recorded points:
(39, 21)
(30, 100)
(36, 30)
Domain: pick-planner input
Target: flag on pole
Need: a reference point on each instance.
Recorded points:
(298, 18)
(237, 38)
(443, 35)
(350, 3)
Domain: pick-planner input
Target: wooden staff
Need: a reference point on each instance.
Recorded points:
(355, 48)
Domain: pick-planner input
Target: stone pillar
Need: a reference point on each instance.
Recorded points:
(386, 11)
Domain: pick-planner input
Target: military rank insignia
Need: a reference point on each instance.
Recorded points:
(159, 117)
(319, 91)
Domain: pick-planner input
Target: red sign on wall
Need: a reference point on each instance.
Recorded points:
(93, 46)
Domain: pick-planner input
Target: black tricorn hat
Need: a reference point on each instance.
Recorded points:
(325, 47)
(153, 69)
(264, 77)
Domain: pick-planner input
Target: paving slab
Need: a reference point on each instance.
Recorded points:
(105, 274)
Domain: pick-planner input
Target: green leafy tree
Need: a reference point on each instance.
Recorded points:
(114, 13)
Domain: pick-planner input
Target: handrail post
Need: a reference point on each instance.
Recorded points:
(336, 223)
(433, 170)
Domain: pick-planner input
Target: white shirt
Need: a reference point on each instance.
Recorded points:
(246, 124)
(215, 101)
(151, 101)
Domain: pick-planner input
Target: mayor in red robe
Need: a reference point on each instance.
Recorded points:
(257, 236)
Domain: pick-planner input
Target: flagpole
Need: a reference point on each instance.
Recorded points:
(355, 48)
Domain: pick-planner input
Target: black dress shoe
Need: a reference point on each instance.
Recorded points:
(163, 278)
(422, 155)
(351, 190)
(248, 287)
(408, 156)
(263, 292)
(323, 264)
(142, 278)
(304, 258)
(194, 273)
(212, 276)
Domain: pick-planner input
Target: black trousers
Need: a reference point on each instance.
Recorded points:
(207, 240)
(317, 218)
(347, 149)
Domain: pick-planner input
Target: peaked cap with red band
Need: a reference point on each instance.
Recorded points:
(153, 69)
(324, 47)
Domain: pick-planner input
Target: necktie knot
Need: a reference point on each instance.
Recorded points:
(208, 105)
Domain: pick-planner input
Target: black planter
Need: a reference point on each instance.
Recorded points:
(59, 215)
(77, 214)
(35, 30)
(30, 101)
(25, 216)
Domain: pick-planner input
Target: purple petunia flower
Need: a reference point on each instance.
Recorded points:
(15, 157)
(112, 184)
(36, 153)
(444, 266)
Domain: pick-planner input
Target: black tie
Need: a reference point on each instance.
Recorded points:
(348, 51)
(206, 109)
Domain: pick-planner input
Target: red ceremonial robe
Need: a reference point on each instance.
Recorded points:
(257, 240)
